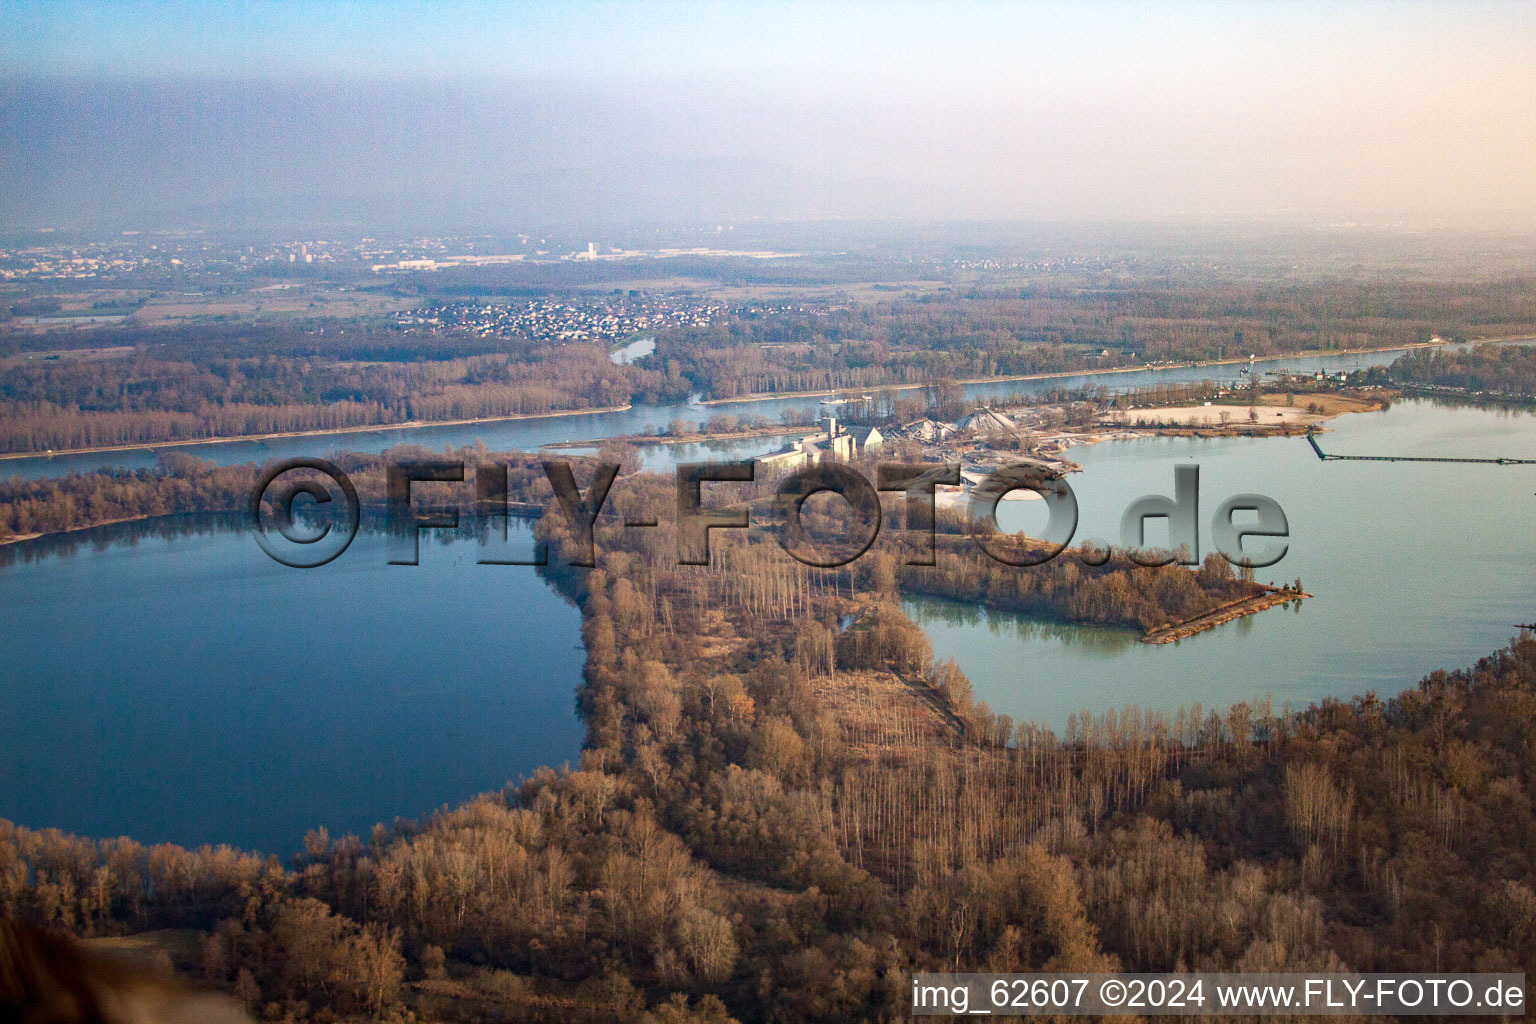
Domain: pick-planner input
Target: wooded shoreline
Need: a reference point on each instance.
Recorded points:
(321, 432)
(753, 397)
(1105, 371)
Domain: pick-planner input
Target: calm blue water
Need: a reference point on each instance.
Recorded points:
(178, 685)
(529, 434)
(186, 688)
(1414, 567)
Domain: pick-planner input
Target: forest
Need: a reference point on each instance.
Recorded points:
(139, 385)
(785, 806)
(984, 332)
(157, 395)
(1481, 371)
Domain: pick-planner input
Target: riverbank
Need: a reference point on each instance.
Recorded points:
(1455, 394)
(666, 439)
(152, 446)
(759, 396)
(320, 432)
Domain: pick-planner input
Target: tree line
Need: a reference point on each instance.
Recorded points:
(1062, 328)
(785, 806)
(1479, 371)
(189, 382)
(147, 398)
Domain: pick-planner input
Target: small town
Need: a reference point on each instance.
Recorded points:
(575, 320)
(679, 512)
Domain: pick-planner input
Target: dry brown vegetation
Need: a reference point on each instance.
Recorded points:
(780, 815)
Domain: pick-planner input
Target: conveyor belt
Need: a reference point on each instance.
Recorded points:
(1312, 440)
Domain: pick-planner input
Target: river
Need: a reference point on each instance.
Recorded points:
(529, 434)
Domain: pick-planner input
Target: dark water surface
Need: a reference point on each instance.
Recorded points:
(170, 682)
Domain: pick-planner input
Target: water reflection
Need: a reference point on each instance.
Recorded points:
(1013, 626)
(128, 535)
(1414, 567)
(165, 679)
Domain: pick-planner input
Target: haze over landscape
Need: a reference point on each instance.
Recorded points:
(459, 115)
(528, 512)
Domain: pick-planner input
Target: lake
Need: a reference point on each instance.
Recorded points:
(1414, 567)
(208, 694)
(170, 682)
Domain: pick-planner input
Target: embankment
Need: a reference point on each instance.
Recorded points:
(1167, 634)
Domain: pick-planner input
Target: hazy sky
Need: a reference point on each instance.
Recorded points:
(462, 115)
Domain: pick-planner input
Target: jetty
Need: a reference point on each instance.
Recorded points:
(1168, 633)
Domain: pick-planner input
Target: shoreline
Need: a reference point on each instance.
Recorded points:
(21, 537)
(322, 432)
(151, 446)
(759, 396)
(1097, 437)
(1125, 432)
(644, 440)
